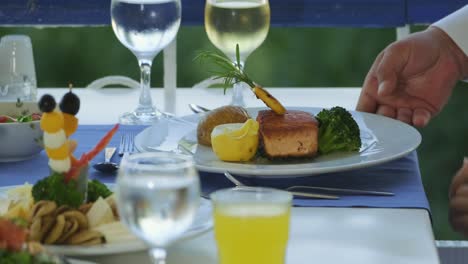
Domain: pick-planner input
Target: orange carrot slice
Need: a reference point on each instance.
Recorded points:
(52, 122)
(59, 153)
(70, 124)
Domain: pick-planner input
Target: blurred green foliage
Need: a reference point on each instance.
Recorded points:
(294, 57)
(441, 154)
(289, 57)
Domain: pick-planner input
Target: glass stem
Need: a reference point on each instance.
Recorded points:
(237, 89)
(145, 104)
(158, 255)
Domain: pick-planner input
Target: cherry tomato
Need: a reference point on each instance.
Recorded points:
(11, 236)
(36, 116)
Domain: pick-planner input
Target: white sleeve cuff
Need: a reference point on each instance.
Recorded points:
(456, 26)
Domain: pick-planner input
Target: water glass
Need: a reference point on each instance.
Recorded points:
(145, 27)
(251, 225)
(17, 71)
(158, 197)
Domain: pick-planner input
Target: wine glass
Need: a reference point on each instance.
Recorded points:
(145, 27)
(232, 22)
(158, 197)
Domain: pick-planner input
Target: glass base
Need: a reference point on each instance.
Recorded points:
(238, 95)
(136, 118)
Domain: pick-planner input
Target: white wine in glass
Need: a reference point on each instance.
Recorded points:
(145, 27)
(232, 22)
(158, 197)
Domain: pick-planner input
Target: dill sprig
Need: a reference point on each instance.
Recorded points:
(232, 73)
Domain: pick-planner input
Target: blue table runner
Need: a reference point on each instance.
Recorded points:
(401, 176)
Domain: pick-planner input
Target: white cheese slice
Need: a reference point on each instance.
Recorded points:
(55, 140)
(60, 165)
(115, 232)
(100, 213)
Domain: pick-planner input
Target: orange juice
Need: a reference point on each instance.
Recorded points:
(251, 233)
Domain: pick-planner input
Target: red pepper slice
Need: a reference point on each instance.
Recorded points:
(85, 158)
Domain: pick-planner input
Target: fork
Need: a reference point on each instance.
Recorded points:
(333, 190)
(127, 144)
(341, 190)
(297, 194)
(198, 108)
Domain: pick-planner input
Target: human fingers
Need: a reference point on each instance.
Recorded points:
(459, 202)
(387, 111)
(421, 117)
(405, 115)
(460, 177)
(460, 224)
(366, 102)
(390, 67)
(458, 210)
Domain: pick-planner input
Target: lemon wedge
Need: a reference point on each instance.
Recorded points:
(235, 141)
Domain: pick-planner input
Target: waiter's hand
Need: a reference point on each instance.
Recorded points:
(458, 196)
(412, 79)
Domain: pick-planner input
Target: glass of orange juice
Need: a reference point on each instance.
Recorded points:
(251, 225)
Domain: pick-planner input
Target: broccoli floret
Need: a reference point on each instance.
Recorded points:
(97, 189)
(338, 131)
(21, 257)
(54, 188)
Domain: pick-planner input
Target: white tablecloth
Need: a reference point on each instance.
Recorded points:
(104, 106)
(318, 235)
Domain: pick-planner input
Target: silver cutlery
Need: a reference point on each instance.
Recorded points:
(198, 108)
(341, 190)
(328, 189)
(127, 144)
(173, 117)
(107, 166)
(294, 193)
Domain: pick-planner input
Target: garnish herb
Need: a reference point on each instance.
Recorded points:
(233, 73)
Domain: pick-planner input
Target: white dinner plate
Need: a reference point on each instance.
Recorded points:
(383, 139)
(77, 261)
(203, 222)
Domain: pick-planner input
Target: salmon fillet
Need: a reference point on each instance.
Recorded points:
(293, 134)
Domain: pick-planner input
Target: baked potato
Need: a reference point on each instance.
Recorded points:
(222, 115)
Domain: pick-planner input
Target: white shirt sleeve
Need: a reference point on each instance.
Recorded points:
(456, 26)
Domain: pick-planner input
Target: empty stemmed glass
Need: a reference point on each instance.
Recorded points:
(232, 22)
(145, 27)
(158, 197)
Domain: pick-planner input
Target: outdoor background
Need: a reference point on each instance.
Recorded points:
(291, 57)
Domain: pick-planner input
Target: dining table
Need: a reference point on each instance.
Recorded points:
(376, 232)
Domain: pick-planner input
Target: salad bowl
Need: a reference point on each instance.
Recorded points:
(20, 132)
